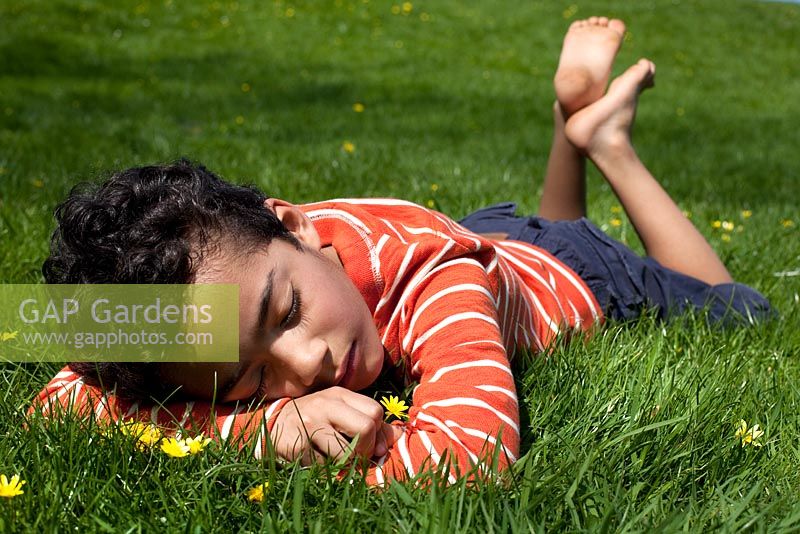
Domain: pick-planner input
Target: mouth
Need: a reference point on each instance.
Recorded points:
(348, 370)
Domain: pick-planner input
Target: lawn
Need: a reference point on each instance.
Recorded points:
(633, 430)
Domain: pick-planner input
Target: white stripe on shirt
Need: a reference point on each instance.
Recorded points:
(497, 389)
(470, 401)
(456, 317)
(436, 296)
(477, 363)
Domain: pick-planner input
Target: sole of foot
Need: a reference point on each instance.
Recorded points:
(584, 66)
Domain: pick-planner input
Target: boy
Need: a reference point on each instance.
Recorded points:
(332, 293)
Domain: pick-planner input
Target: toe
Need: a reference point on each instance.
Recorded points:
(646, 72)
(602, 21)
(592, 20)
(617, 25)
(634, 76)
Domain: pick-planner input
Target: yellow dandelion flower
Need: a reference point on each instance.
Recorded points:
(106, 430)
(741, 429)
(395, 9)
(289, 12)
(616, 209)
(728, 226)
(239, 120)
(408, 7)
(146, 435)
(197, 444)
(256, 494)
(746, 214)
(38, 183)
(11, 488)
(246, 87)
(394, 406)
(716, 224)
(748, 436)
(725, 237)
(175, 447)
(615, 222)
(6, 336)
(570, 11)
(787, 223)
(756, 433)
(434, 187)
(348, 147)
(424, 17)
(430, 203)
(358, 107)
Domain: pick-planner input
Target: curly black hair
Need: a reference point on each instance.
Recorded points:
(152, 225)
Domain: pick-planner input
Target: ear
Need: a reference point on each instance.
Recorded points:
(296, 221)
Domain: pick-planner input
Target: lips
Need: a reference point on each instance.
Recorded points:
(349, 367)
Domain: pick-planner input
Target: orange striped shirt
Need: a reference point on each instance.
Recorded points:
(450, 307)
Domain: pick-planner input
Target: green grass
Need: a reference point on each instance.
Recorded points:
(631, 431)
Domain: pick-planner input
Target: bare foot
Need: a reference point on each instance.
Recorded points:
(584, 67)
(605, 126)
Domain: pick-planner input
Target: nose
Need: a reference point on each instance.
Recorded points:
(304, 364)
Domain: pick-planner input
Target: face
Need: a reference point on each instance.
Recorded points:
(303, 326)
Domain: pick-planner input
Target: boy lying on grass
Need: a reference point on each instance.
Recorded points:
(333, 293)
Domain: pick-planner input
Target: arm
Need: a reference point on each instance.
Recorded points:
(465, 409)
(312, 427)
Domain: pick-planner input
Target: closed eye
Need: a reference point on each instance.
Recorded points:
(294, 311)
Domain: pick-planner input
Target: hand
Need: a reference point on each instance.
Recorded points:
(322, 425)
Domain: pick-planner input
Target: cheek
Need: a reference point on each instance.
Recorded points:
(338, 299)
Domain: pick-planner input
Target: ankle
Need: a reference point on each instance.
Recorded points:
(558, 117)
(614, 152)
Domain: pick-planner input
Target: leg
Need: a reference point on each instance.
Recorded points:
(584, 67)
(564, 190)
(602, 131)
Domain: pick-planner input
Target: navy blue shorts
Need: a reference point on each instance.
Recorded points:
(624, 283)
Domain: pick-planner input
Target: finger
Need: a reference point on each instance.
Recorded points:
(391, 433)
(366, 405)
(294, 446)
(381, 447)
(353, 423)
(311, 456)
(322, 444)
(331, 444)
(386, 437)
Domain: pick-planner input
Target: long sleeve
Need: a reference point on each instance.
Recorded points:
(465, 408)
(451, 307)
(69, 395)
